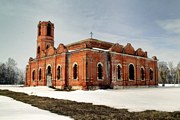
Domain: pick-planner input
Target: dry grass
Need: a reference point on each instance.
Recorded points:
(88, 111)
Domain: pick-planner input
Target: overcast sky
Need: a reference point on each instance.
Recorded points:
(153, 25)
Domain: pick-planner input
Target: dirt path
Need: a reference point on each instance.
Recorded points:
(88, 111)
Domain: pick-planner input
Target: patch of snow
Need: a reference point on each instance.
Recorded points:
(133, 99)
(169, 85)
(100, 49)
(11, 109)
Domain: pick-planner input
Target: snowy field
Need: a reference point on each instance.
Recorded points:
(133, 99)
(14, 110)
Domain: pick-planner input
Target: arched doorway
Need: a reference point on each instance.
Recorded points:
(49, 76)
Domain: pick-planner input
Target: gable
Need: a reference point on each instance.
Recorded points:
(128, 49)
(50, 51)
(140, 52)
(116, 48)
(61, 48)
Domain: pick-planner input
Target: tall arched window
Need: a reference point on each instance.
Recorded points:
(75, 74)
(49, 70)
(58, 72)
(118, 72)
(49, 30)
(131, 72)
(142, 74)
(40, 76)
(33, 75)
(39, 31)
(38, 49)
(151, 74)
(100, 71)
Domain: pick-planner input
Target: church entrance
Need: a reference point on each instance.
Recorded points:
(49, 77)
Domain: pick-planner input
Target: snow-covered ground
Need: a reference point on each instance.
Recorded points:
(14, 110)
(134, 99)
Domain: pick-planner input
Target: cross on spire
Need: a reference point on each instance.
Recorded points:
(91, 34)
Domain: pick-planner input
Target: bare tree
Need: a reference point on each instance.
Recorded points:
(163, 72)
(172, 72)
(11, 71)
(177, 80)
(10, 74)
(21, 77)
(3, 73)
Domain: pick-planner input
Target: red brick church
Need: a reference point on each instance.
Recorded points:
(88, 64)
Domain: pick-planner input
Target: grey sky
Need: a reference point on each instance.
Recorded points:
(153, 25)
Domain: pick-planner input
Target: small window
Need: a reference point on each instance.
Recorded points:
(75, 71)
(58, 72)
(33, 75)
(118, 72)
(100, 71)
(38, 49)
(40, 74)
(49, 70)
(151, 74)
(131, 72)
(142, 74)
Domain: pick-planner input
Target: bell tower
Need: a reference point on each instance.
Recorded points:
(45, 37)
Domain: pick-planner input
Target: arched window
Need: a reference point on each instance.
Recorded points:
(131, 72)
(47, 46)
(151, 74)
(38, 49)
(39, 31)
(118, 72)
(142, 74)
(49, 30)
(75, 71)
(49, 70)
(100, 71)
(33, 75)
(58, 72)
(40, 74)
